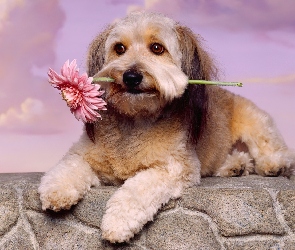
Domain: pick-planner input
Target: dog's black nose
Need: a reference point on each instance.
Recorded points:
(132, 78)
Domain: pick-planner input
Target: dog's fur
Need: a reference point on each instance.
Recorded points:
(162, 135)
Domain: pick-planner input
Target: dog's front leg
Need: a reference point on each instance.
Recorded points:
(140, 197)
(66, 183)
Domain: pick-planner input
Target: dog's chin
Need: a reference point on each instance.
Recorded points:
(134, 91)
(136, 102)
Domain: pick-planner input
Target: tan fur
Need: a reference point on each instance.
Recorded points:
(162, 135)
(211, 151)
(124, 155)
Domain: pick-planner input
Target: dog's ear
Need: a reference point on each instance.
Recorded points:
(196, 64)
(96, 52)
(96, 58)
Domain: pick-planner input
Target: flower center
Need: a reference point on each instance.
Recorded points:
(72, 96)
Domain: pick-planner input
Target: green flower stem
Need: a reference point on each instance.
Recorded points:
(103, 79)
(239, 84)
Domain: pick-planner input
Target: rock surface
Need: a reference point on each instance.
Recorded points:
(222, 213)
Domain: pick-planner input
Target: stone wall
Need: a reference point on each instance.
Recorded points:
(222, 213)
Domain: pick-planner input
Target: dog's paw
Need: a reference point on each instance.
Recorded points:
(126, 215)
(116, 230)
(119, 224)
(272, 169)
(58, 197)
(236, 164)
(233, 171)
(280, 163)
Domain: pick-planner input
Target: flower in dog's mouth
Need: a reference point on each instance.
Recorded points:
(192, 81)
(82, 97)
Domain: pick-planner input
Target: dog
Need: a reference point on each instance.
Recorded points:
(160, 134)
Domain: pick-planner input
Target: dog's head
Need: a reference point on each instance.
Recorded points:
(151, 58)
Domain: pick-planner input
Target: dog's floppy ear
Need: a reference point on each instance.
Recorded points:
(96, 58)
(196, 64)
(96, 52)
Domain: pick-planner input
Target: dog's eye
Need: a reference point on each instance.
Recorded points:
(157, 48)
(120, 48)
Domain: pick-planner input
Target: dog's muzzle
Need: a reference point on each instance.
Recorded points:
(132, 78)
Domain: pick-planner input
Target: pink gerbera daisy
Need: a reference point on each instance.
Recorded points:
(81, 96)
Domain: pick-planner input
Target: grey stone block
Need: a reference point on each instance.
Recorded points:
(236, 211)
(31, 200)
(9, 211)
(253, 245)
(92, 207)
(55, 231)
(250, 181)
(287, 200)
(250, 212)
(20, 239)
(17, 179)
(181, 231)
(289, 245)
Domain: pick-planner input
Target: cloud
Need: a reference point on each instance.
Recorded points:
(28, 33)
(261, 19)
(25, 118)
(263, 15)
(132, 8)
(283, 79)
(120, 1)
(29, 110)
(5, 7)
(32, 116)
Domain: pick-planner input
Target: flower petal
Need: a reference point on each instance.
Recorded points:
(81, 95)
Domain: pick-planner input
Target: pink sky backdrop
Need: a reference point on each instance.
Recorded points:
(252, 41)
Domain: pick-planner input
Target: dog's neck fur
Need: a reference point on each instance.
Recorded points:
(127, 124)
(190, 110)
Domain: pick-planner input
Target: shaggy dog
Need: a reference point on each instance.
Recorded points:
(160, 134)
